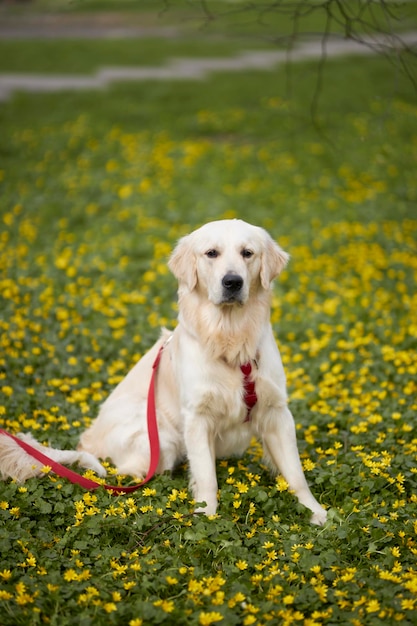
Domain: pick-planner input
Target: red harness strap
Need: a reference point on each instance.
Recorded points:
(250, 396)
(65, 472)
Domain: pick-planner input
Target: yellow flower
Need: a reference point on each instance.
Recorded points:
(372, 606)
(218, 599)
(125, 191)
(408, 604)
(238, 598)
(70, 575)
(166, 605)
(242, 565)
(129, 585)
(5, 595)
(205, 619)
(321, 591)
(308, 465)
(282, 484)
(288, 599)
(20, 588)
(171, 580)
(31, 561)
(411, 585)
(24, 598)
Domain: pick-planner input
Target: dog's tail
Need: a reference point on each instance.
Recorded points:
(17, 464)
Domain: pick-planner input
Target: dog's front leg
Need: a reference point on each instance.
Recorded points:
(281, 448)
(199, 443)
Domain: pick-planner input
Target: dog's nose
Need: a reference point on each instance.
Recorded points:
(232, 283)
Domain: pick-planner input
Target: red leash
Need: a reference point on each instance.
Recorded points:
(65, 472)
(250, 399)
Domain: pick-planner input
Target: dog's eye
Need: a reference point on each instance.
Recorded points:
(212, 254)
(246, 253)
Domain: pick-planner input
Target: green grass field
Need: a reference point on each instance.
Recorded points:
(95, 188)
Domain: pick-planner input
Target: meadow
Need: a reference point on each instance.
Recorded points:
(95, 189)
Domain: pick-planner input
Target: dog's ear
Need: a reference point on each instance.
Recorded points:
(183, 264)
(273, 261)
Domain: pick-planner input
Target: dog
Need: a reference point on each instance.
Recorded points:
(224, 271)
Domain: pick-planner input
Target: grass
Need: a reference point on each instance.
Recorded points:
(95, 190)
(85, 57)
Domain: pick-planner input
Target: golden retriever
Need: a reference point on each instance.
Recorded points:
(224, 270)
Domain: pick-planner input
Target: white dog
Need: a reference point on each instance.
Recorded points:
(224, 270)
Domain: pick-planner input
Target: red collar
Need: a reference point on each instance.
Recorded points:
(250, 396)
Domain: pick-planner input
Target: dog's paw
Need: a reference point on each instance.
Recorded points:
(206, 509)
(319, 517)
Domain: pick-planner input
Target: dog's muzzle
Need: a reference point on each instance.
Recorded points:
(232, 288)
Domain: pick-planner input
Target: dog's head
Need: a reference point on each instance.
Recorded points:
(227, 260)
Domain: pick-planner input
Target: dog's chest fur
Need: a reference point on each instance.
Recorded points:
(223, 398)
(227, 334)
